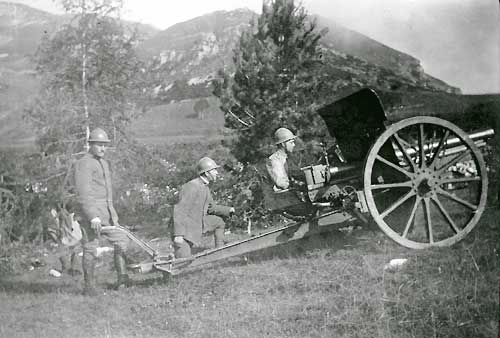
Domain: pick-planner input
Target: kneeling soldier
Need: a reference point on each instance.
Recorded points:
(196, 213)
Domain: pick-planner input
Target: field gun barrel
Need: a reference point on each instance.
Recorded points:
(341, 170)
(450, 146)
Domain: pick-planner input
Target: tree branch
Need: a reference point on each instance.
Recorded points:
(237, 118)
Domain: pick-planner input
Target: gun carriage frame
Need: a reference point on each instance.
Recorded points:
(422, 180)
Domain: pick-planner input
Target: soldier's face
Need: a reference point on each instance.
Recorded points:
(212, 175)
(289, 145)
(98, 148)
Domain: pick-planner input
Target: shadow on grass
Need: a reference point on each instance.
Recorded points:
(16, 286)
(333, 240)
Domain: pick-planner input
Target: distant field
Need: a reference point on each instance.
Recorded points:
(164, 124)
(178, 122)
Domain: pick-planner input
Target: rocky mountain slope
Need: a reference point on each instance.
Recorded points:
(193, 52)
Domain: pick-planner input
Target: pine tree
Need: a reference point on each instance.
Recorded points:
(277, 79)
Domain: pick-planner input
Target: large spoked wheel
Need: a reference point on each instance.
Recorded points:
(425, 182)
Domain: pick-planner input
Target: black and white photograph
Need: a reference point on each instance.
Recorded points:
(249, 168)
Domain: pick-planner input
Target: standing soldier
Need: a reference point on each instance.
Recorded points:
(95, 199)
(196, 213)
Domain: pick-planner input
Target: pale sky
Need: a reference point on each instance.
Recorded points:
(457, 41)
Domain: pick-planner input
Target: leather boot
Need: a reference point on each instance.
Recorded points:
(72, 270)
(123, 279)
(88, 265)
(64, 263)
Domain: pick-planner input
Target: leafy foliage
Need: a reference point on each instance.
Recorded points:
(91, 61)
(91, 77)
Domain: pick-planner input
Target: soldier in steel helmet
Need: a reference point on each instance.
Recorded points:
(277, 169)
(196, 213)
(276, 164)
(95, 206)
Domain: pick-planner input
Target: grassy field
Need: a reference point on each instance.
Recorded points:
(177, 122)
(329, 286)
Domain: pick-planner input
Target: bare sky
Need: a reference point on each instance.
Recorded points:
(457, 41)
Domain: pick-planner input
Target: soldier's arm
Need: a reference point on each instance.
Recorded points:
(217, 209)
(83, 180)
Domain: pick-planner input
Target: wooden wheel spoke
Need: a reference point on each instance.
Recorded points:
(406, 184)
(394, 166)
(412, 216)
(408, 158)
(456, 159)
(457, 199)
(421, 141)
(428, 219)
(445, 214)
(397, 204)
(438, 150)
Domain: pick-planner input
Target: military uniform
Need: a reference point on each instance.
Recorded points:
(195, 214)
(277, 168)
(95, 199)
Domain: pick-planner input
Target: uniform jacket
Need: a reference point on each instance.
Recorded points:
(194, 211)
(93, 188)
(277, 169)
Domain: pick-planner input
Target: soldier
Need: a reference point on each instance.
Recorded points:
(277, 169)
(276, 164)
(95, 199)
(196, 213)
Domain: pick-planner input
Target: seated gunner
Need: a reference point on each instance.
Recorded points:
(291, 191)
(286, 192)
(276, 164)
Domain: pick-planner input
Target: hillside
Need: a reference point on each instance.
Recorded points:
(192, 52)
(195, 50)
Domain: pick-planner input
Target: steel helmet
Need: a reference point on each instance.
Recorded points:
(98, 135)
(282, 135)
(206, 164)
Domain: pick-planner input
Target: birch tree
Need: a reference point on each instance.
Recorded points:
(91, 76)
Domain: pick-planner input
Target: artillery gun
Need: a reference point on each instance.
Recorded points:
(422, 180)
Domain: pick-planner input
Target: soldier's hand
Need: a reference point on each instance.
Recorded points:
(297, 184)
(95, 224)
(232, 211)
(178, 239)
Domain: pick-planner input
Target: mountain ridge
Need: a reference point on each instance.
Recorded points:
(193, 51)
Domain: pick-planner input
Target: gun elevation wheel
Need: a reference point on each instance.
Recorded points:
(425, 182)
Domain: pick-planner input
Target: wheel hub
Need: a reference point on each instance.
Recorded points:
(426, 182)
(423, 188)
